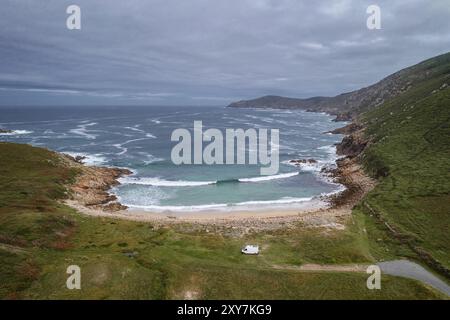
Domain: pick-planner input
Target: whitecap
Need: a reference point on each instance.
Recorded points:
(82, 131)
(16, 132)
(313, 167)
(123, 149)
(90, 159)
(246, 205)
(163, 183)
(152, 159)
(268, 178)
(134, 129)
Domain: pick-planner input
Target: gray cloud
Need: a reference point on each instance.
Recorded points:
(208, 51)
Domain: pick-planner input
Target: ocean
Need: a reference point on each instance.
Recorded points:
(138, 138)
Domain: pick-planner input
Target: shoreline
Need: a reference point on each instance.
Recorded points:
(90, 195)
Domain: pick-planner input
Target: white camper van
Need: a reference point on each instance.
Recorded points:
(250, 249)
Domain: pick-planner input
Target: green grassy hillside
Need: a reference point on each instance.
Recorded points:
(410, 155)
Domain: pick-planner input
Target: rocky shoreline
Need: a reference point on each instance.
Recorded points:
(349, 171)
(92, 184)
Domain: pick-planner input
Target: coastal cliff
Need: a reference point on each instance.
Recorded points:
(349, 105)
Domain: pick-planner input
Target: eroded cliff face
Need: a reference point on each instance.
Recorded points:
(353, 144)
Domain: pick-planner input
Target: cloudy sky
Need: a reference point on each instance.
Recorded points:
(207, 52)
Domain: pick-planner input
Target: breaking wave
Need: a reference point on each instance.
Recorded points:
(181, 183)
(89, 159)
(224, 206)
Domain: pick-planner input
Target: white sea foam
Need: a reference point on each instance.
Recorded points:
(134, 129)
(246, 205)
(163, 183)
(310, 167)
(123, 149)
(90, 159)
(15, 132)
(330, 149)
(182, 183)
(267, 178)
(152, 159)
(82, 130)
(286, 200)
(339, 189)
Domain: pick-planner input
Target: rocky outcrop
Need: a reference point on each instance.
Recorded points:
(348, 129)
(91, 187)
(357, 183)
(92, 184)
(346, 116)
(352, 145)
(349, 171)
(79, 159)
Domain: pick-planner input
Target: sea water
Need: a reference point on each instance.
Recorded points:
(138, 138)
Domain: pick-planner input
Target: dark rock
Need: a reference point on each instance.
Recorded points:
(298, 162)
(79, 159)
(114, 206)
(352, 145)
(343, 117)
(348, 129)
(131, 254)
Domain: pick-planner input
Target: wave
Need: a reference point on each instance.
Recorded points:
(90, 159)
(330, 149)
(15, 132)
(286, 200)
(310, 167)
(82, 131)
(124, 150)
(152, 159)
(134, 129)
(222, 206)
(267, 178)
(163, 183)
(182, 183)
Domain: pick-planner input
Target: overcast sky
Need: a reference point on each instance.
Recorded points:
(207, 52)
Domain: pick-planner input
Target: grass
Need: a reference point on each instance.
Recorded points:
(40, 238)
(411, 158)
